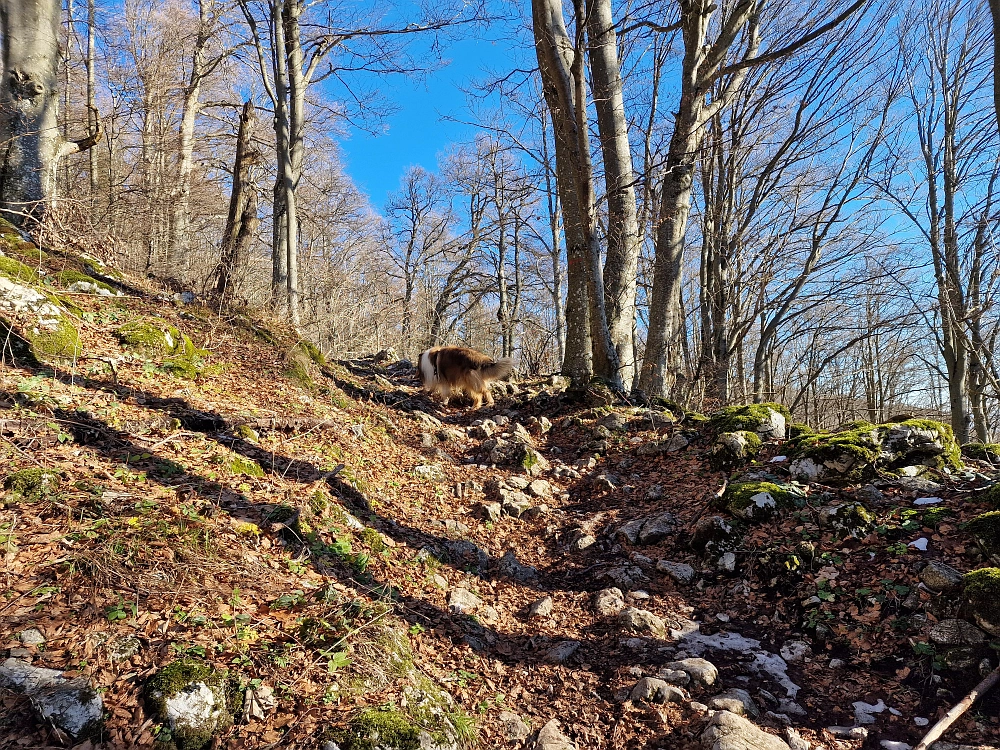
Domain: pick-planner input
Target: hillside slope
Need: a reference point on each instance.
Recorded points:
(359, 566)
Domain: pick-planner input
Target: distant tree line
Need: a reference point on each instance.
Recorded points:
(704, 200)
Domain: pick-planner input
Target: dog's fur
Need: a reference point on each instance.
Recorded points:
(445, 369)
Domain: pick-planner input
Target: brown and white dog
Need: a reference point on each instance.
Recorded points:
(445, 369)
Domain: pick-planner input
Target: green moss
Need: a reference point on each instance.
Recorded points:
(381, 730)
(856, 449)
(799, 429)
(746, 418)
(951, 457)
(177, 675)
(69, 277)
(982, 451)
(15, 270)
(245, 466)
(246, 432)
(986, 530)
(733, 449)
(982, 591)
(187, 361)
(372, 539)
(760, 501)
(992, 495)
(31, 485)
(853, 519)
(62, 342)
(297, 363)
(151, 336)
(314, 353)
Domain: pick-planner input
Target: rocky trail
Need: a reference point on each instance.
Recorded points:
(214, 537)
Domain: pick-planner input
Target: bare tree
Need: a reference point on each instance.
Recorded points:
(32, 144)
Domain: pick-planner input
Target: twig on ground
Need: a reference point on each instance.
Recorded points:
(958, 709)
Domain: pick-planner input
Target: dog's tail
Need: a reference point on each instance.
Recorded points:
(497, 370)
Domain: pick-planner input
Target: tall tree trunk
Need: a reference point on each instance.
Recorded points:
(92, 91)
(29, 132)
(242, 221)
(621, 262)
(589, 349)
(178, 244)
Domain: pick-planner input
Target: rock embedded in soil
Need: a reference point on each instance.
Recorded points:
(511, 567)
(848, 733)
(561, 652)
(652, 690)
(550, 738)
(541, 608)
(31, 637)
(583, 541)
(728, 731)
(72, 706)
(795, 740)
(609, 602)
(642, 621)
(701, 671)
(512, 727)
(795, 651)
(674, 676)
(489, 511)
(736, 700)
(657, 528)
(939, 576)
(953, 632)
(461, 601)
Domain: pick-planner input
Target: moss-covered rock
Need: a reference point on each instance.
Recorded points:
(985, 529)
(982, 452)
(920, 441)
(848, 520)
(982, 596)
(61, 341)
(31, 485)
(156, 338)
(767, 420)
(757, 502)
(313, 352)
(149, 336)
(75, 281)
(194, 701)
(245, 466)
(297, 366)
(380, 730)
(857, 453)
(15, 270)
(799, 429)
(734, 449)
(246, 432)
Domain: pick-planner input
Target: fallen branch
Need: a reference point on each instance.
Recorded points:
(960, 708)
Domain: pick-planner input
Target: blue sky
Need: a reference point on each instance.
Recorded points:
(420, 130)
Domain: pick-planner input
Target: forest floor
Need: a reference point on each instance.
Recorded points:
(306, 527)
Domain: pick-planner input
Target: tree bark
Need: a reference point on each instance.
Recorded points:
(622, 258)
(242, 221)
(589, 349)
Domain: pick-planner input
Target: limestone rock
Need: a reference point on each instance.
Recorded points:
(651, 690)
(609, 602)
(728, 731)
(561, 652)
(461, 601)
(701, 671)
(680, 572)
(550, 738)
(541, 608)
(511, 567)
(939, 576)
(735, 700)
(72, 706)
(513, 727)
(956, 633)
(191, 698)
(642, 621)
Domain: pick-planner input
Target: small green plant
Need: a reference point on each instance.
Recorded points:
(115, 612)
